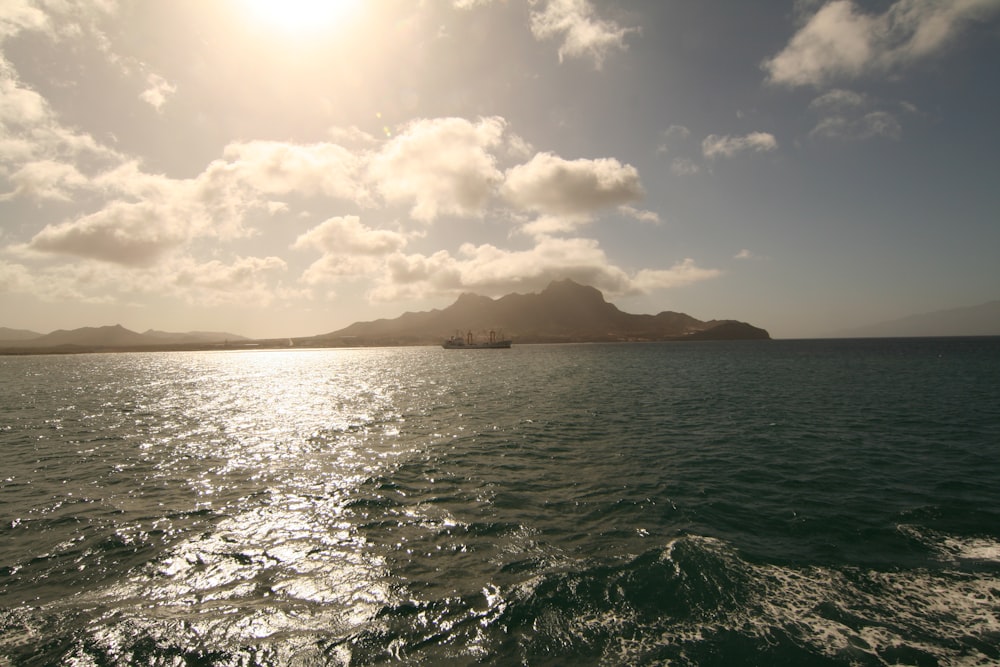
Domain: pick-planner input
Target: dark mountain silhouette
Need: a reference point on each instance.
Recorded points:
(564, 311)
(981, 320)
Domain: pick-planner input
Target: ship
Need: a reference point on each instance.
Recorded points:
(457, 342)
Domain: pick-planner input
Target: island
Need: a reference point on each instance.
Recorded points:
(564, 312)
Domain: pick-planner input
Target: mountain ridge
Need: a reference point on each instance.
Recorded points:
(979, 320)
(565, 311)
(112, 336)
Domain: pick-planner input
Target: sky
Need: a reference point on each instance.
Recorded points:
(286, 168)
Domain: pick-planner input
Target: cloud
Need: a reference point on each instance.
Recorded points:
(583, 34)
(841, 42)
(158, 91)
(436, 166)
(133, 234)
(245, 279)
(487, 269)
(46, 179)
(838, 100)
(346, 235)
(31, 132)
(728, 146)
(60, 283)
(748, 255)
(350, 249)
(144, 216)
(20, 106)
(275, 167)
(671, 136)
(575, 189)
(860, 127)
(640, 215)
(15, 277)
(683, 166)
(847, 115)
(18, 15)
(685, 272)
(441, 166)
(240, 281)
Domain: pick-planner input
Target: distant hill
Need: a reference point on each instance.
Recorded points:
(193, 336)
(565, 311)
(111, 337)
(981, 320)
(17, 334)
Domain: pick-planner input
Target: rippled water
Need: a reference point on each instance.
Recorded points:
(782, 502)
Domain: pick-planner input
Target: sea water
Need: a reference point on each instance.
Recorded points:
(745, 503)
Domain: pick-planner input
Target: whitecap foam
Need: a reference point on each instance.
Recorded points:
(954, 548)
(904, 617)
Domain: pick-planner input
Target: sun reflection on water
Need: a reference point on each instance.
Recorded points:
(258, 456)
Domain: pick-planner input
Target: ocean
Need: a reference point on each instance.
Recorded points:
(825, 502)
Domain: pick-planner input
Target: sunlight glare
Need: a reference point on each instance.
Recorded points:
(300, 16)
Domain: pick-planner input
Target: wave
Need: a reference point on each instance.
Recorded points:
(694, 601)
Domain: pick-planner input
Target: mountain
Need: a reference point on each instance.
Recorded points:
(113, 337)
(981, 320)
(565, 311)
(192, 337)
(110, 336)
(7, 335)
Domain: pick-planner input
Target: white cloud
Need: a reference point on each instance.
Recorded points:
(685, 272)
(728, 146)
(245, 279)
(553, 186)
(241, 281)
(20, 106)
(30, 132)
(350, 249)
(547, 225)
(583, 33)
(275, 167)
(333, 268)
(841, 42)
(45, 179)
(640, 215)
(347, 236)
(441, 166)
(487, 269)
(15, 277)
(134, 234)
(158, 91)
(18, 15)
(79, 284)
(352, 135)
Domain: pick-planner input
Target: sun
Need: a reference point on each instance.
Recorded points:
(297, 17)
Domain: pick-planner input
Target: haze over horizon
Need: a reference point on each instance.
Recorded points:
(284, 167)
